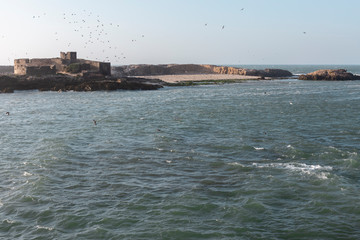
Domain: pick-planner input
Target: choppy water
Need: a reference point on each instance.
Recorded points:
(256, 160)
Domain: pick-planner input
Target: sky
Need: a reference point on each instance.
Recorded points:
(236, 32)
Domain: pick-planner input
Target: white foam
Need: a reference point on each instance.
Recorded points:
(319, 171)
(43, 227)
(236, 164)
(259, 148)
(26, 174)
(9, 221)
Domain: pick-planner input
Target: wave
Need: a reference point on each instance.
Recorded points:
(302, 168)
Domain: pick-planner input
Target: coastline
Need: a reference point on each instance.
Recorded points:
(152, 77)
(198, 77)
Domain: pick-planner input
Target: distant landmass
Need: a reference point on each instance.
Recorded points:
(178, 69)
(68, 73)
(330, 75)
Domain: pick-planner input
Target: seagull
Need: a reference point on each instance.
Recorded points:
(223, 27)
(94, 122)
(7, 113)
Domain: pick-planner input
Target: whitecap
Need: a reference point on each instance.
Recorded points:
(319, 171)
(43, 227)
(9, 221)
(259, 148)
(27, 174)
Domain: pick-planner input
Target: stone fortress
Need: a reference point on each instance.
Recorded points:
(68, 63)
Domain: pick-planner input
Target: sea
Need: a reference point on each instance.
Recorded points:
(265, 159)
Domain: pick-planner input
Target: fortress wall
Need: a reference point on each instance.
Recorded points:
(43, 66)
(60, 64)
(41, 62)
(20, 66)
(101, 67)
(105, 68)
(40, 70)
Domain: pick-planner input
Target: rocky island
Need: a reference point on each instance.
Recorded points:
(193, 69)
(330, 75)
(68, 72)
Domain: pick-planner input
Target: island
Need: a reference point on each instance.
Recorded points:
(70, 73)
(330, 75)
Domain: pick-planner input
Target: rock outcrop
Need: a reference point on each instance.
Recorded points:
(177, 69)
(9, 84)
(330, 75)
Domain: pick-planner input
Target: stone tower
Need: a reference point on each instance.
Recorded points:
(70, 56)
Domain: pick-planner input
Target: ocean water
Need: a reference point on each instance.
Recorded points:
(255, 160)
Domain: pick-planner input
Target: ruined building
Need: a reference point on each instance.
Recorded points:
(67, 63)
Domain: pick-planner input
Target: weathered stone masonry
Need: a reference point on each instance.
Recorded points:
(49, 66)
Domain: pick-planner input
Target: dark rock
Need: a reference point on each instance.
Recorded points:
(7, 90)
(330, 75)
(276, 73)
(66, 83)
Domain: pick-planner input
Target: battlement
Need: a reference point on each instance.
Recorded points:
(21, 61)
(71, 56)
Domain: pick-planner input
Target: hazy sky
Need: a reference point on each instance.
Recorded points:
(183, 31)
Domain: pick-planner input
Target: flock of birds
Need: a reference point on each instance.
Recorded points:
(94, 34)
(89, 31)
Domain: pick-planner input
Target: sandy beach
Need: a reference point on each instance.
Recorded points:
(199, 77)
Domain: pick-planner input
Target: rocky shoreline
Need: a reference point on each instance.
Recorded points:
(153, 77)
(9, 84)
(330, 75)
(185, 69)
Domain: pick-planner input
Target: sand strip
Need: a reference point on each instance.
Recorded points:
(199, 77)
